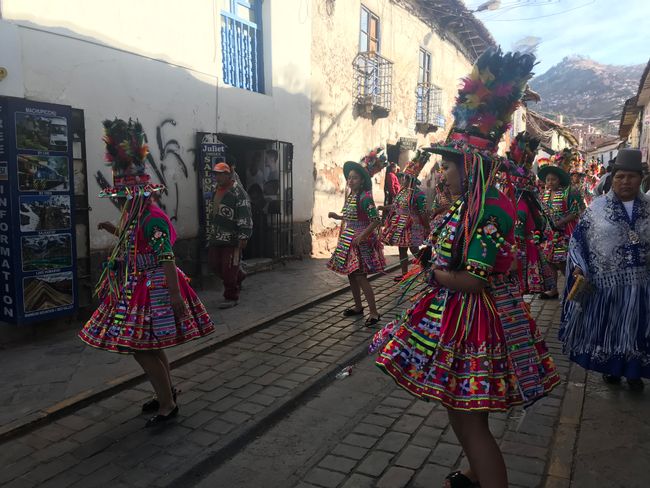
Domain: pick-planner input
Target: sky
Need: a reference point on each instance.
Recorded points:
(607, 31)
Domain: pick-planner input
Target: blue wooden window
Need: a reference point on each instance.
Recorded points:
(369, 40)
(241, 44)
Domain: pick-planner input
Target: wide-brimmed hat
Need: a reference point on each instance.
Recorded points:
(126, 153)
(628, 160)
(361, 170)
(560, 165)
(544, 171)
(368, 166)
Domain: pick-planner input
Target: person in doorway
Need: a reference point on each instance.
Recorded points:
(407, 224)
(468, 341)
(230, 226)
(147, 304)
(391, 184)
(606, 316)
(359, 251)
(563, 206)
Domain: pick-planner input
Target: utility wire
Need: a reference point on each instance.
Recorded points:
(544, 16)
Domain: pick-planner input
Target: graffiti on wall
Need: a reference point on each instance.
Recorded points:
(169, 160)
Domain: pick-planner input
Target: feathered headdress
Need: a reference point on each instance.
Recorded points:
(126, 153)
(566, 159)
(521, 155)
(490, 94)
(486, 101)
(374, 161)
(417, 164)
(523, 150)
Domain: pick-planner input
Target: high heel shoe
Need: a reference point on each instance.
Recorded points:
(153, 404)
(161, 419)
(372, 321)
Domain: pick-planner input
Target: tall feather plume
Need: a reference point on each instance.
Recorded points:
(126, 149)
(374, 161)
(490, 94)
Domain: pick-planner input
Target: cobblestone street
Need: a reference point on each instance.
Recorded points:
(265, 409)
(374, 434)
(228, 395)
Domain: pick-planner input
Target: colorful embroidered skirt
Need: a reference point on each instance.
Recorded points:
(403, 230)
(498, 361)
(535, 273)
(143, 318)
(367, 257)
(556, 246)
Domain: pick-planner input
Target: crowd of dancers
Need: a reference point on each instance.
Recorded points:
(499, 228)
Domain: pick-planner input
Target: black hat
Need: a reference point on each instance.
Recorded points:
(628, 160)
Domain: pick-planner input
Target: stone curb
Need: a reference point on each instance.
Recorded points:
(560, 463)
(239, 438)
(43, 417)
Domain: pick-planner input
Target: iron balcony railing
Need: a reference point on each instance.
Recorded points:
(428, 109)
(241, 53)
(374, 84)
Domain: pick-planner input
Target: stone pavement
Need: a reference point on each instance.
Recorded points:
(228, 396)
(53, 370)
(395, 441)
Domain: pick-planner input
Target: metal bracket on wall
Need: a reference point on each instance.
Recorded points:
(3, 73)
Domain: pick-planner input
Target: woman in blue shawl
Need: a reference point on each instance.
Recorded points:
(606, 315)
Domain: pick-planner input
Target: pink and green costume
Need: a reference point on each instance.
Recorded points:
(405, 224)
(135, 313)
(470, 351)
(359, 211)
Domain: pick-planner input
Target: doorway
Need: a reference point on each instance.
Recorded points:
(264, 169)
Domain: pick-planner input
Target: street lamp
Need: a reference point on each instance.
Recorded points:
(489, 5)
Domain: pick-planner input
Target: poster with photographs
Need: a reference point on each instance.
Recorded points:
(47, 252)
(43, 173)
(40, 132)
(44, 212)
(47, 292)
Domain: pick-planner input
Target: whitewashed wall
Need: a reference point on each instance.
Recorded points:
(157, 60)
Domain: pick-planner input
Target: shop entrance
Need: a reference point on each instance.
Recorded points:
(265, 170)
(85, 285)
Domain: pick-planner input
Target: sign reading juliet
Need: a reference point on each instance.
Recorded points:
(37, 236)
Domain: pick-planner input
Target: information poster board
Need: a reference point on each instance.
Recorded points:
(37, 233)
(211, 151)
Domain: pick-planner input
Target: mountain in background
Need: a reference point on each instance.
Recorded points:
(584, 91)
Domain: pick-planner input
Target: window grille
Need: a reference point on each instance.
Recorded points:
(374, 84)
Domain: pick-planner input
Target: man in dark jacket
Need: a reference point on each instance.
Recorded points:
(229, 228)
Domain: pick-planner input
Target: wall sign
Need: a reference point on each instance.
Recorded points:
(211, 151)
(407, 144)
(37, 237)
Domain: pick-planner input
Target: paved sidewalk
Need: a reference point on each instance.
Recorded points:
(58, 368)
(228, 395)
(613, 447)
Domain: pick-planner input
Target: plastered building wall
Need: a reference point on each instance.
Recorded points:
(160, 61)
(338, 134)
